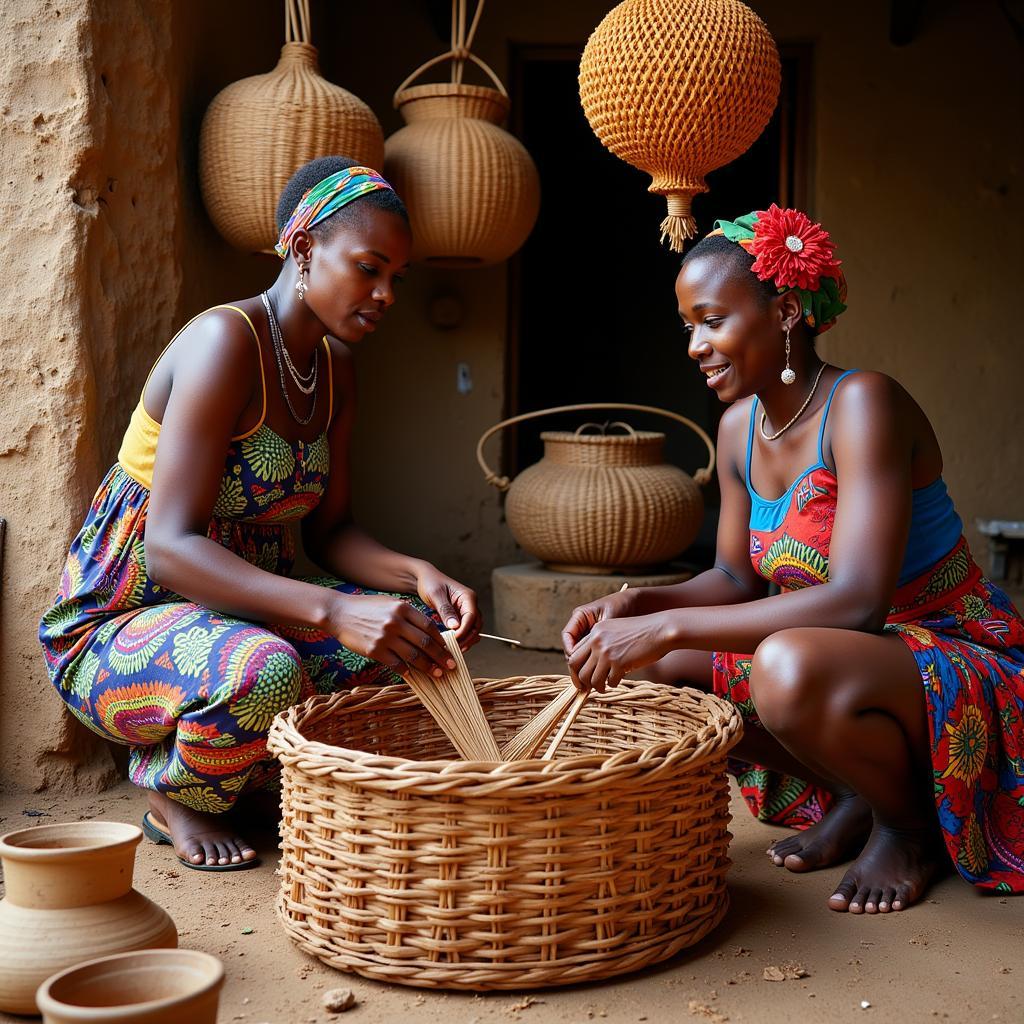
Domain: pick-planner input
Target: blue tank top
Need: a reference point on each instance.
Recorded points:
(935, 527)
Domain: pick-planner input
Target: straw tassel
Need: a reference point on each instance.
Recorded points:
(679, 226)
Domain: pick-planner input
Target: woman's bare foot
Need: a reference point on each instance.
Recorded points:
(892, 872)
(198, 838)
(841, 833)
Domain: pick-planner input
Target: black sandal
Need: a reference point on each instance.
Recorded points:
(159, 834)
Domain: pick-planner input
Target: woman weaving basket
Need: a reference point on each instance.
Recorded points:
(178, 628)
(885, 695)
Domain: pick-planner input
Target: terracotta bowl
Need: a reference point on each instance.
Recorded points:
(150, 986)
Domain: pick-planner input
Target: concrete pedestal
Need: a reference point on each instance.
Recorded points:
(532, 604)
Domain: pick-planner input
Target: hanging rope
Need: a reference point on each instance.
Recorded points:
(296, 21)
(459, 52)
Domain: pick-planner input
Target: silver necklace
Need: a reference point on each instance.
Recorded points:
(304, 383)
(799, 412)
(278, 346)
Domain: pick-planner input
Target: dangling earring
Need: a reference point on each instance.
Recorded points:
(788, 375)
(300, 285)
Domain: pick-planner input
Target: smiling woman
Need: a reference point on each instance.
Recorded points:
(178, 628)
(883, 684)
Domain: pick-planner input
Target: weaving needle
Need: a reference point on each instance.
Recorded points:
(503, 639)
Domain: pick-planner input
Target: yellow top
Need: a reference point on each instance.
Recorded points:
(138, 447)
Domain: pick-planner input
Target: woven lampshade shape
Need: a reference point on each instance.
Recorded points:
(678, 88)
(471, 188)
(258, 131)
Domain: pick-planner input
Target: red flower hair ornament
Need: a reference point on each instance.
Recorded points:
(794, 253)
(791, 249)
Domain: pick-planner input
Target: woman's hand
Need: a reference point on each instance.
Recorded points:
(390, 631)
(586, 616)
(455, 603)
(615, 646)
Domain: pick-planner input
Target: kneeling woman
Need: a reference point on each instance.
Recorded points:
(178, 628)
(884, 697)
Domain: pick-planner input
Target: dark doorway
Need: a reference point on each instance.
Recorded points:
(593, 316)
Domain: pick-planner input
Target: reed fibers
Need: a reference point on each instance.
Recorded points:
(453, 703)
(577, 706)
(527, 741)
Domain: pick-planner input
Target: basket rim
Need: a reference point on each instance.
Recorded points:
(638, 437)
(711, 741)
(438, 90)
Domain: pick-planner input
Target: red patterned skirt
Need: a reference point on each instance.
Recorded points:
(968, 641)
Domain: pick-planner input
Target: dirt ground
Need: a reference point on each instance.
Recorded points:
(954, 957)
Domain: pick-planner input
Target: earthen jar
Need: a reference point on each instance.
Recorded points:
(153, 986)
(69, 898)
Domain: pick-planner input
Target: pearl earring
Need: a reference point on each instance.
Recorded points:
(300, 285)
(788, 375)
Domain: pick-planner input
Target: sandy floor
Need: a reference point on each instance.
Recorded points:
(955, 957)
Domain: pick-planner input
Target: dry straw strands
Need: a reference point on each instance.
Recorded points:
(453, 703)
(574, 711)
(404, 866)
(527, 741)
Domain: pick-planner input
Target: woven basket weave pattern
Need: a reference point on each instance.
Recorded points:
(257, 132)
(602, 504)
(405, 866)
(679, 87)
(472, 189)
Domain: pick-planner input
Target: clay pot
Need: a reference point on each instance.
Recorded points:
(69, 898)
(155, 986)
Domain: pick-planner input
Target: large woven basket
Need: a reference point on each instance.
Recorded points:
(404, 865)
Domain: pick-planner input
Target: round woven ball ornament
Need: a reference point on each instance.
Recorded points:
(258, 131)
(471, 188)
(677, 88)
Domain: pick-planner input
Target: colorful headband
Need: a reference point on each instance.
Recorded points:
(796, 255)
(326, 197)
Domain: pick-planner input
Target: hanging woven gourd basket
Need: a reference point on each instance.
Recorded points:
(472, 189)
(678, 88)
(257, 132)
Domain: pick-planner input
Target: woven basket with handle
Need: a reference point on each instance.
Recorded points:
(471, 188)
(402, 864)
(602, 503)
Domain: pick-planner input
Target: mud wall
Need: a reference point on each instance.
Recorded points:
(89, 206)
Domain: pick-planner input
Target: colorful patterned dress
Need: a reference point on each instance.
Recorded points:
(193, 691)
(968, 641)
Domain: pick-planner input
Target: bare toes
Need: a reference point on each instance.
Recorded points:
(840, 899)
(860, 899)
